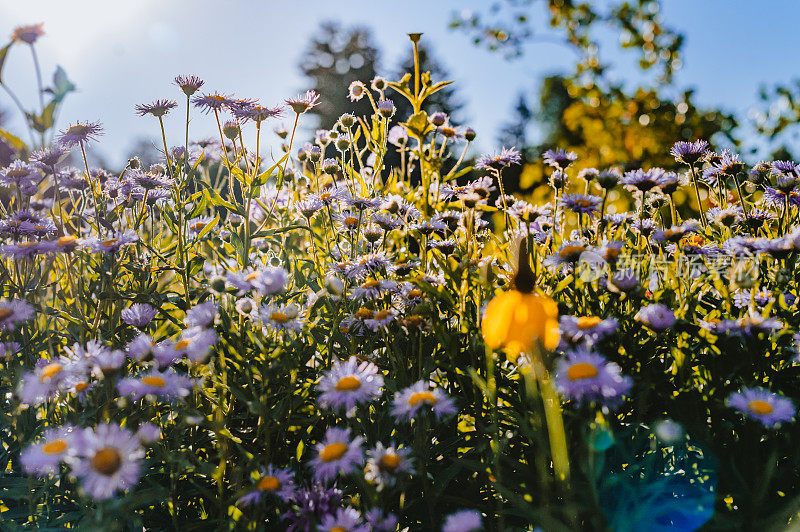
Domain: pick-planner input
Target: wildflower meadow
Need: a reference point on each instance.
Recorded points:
(363, 331)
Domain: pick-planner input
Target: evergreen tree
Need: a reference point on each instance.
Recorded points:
(335, 58)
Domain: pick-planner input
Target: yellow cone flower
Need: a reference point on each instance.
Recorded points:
(516, 321)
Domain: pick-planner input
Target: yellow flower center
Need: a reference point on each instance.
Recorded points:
(78, 129)
(418, 397)
(415, 292)
(381, 315)
(370, 284)
(338, 529)
(279, 317)
(183, 344)
(252, 276)
(364, 313)
(65, 241)
(54, 447)
(348, 384)
(81, 386)
(269, 484)
(581, 370)
(587, 322)
(583, 203)
(390, 462)
(333, 451)
(107, 461)
(350, 220)
(198, 226)
(110, 242)
(571, 252)
(762, 408)
(6, 313)
(50, 371)
(154, 380)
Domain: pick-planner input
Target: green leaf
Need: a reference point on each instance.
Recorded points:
(61, 85)
(13, 141)
(209, 226)
(3, 53)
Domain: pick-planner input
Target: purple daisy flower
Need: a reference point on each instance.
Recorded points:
(112, 243)
(303, 102)
(43, 458)
(337, 454)
(107, 460)
(463, 521)
(138, 314)
(28, 33)
(349, 384)
(281, 317)
(189, 84)
(558, 158)
(80, 133)
(656, 316)
(385, 464)
(499, 160)
(195, 343)
(272, 481)
(21, 250)
(420, 395)
(581, 203)
(380, 521)
(584, 376)
(762, 405)
(689, 153)
(14, 312)
(166, 385)
(148, 433)
(345, 520)
(641, 180)
(158, 108)
(208, 103)
(586, 329)
(202, 314)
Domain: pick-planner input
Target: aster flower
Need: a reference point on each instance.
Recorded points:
(356, 91)
(762, 405)
(689, 153)
(164, 385)
(641, 180)
(380, 319)
(586, 329)
(345, 520)
(107, 461)
(158, 108)
(581, 203)
(80, 133)
(409, 402)
(112, 243)
(499, 160)
(196, 343)
(656, 316)
(747, 326)
(337, 454)
(21, 175)
(13, 312)
(567, 256)
(43, 458)
(380, 521)
(385, 464)
(349, 384)
(272, 481)
(138, 314)
(303, 102)
(49, 157)
(208, 103)
(148, 433)
(463, 521)
(281, 318)
(28, 34)
(189, 84)
(584, 376)
(202, 314)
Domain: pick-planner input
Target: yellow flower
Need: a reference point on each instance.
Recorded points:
(516, 321)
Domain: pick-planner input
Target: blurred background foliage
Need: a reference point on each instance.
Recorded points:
(607, 122)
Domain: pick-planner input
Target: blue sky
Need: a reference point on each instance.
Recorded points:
(123, 53)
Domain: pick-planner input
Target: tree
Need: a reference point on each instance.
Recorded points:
(335, 58)
(515, 133)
